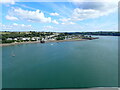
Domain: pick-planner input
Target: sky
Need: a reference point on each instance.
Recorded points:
(67, 16)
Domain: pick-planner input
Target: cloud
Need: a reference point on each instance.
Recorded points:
(11, 17)
(54, 14)
(102, 6)
(55, 22)
(81, 14)
(93, 10)
(65, 19)
(68, 23)
(7, 1)
(33, 16)
(90, 10)
(48, 27)
(93, 1)
(16, 26)
(25, 6)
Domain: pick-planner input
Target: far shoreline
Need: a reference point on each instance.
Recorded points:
(30, 42)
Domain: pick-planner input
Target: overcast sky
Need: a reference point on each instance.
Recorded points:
(59, 16)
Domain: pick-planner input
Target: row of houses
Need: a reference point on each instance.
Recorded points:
(25, 38)
(51, 37)
(33, 38)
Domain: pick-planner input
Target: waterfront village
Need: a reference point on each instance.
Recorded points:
(42, 37)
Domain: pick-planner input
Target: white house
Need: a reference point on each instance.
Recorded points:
(27, 38)
(15, 39)
(9, 39)
(37, 38)
(33, 39)
(51, 35)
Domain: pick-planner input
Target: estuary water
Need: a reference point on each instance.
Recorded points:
(77, 64)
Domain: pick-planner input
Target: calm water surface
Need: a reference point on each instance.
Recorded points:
(92, 63)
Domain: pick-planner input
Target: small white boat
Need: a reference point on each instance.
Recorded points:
(13, 55)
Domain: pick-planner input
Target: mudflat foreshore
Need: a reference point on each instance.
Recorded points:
(29, 42)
